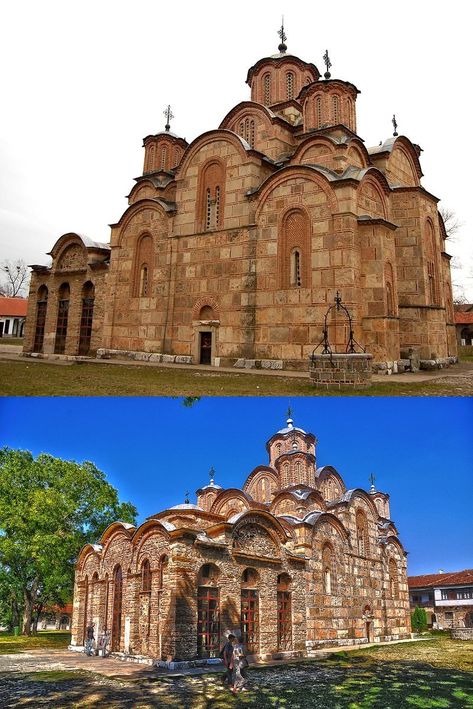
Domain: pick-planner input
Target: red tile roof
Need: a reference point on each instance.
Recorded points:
(449, 578)
(16, 307)
(463, 318)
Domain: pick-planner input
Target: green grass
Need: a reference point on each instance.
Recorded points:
(430, 674)
(57, 639)
(32, 378)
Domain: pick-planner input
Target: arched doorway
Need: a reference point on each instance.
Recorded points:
(117, 608)
(208, 612)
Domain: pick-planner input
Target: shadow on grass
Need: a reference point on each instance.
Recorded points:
(338, 683)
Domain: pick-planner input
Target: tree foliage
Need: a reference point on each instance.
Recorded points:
(419, 620)
(49, 508)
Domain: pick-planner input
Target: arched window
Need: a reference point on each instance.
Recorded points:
(151, 158)
(318, 111)
(284, 612)
(329, 572)
(267, 89)
(289, 85)
(246, 130)
(143, 266)
(86, 318)
(393, 579)
(294, 250)
(208, 612)
(431, 258)
(362, 537)
(62, 318)
(163, 565)
(212, 186)
(249, 623)
(336, 109)
(41, 309)
(177, 156)
(145, 577)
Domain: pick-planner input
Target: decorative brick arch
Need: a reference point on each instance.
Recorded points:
(372, 198)
(291, 172)
(208, 301)
(294, 238)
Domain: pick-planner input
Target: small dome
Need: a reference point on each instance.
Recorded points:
(186, 506)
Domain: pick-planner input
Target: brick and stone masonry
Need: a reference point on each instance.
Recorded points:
(233, 246)
(293, 562)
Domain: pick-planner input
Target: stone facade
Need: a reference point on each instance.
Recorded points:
(233, 246)
(293, 561)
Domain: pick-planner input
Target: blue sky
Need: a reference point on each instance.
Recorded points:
(154, 449)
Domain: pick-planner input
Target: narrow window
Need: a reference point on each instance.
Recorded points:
(144, 280)
(289, 85)
(318, 111)
(296, 279)
(163, 157)
(251, 140)
(267, 89)
(217, 206)
(336, 109)
(249, 623)
(393, 579)
(362, 534)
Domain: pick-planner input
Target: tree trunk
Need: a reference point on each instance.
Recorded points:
(37, 613)
(28, 610)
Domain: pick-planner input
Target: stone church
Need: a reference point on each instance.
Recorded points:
(234, 246)
(292, 562)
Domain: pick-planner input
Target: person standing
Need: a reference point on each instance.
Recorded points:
(227, 656)
(89, 639)
(240, 663)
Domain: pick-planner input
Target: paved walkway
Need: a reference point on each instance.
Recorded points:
(461, 370)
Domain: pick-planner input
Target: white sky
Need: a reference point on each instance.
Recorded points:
(84, 82)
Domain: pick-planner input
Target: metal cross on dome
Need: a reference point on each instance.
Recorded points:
(282, 35)
(169, 115)
(328, 64)
(212, 475)
(394, 122)
(372, 479)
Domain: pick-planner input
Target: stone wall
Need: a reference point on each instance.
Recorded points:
(341, 370)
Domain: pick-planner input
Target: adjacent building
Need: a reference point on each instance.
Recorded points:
(292, 561)
(12, 316)
(446, 596)
(233, 247)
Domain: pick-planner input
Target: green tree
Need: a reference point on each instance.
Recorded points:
(419, 620)
(49, 508)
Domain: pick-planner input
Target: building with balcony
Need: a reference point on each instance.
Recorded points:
(446, 596)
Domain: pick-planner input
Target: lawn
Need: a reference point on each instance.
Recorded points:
(32, 378)
(430, 674)
(44, 639)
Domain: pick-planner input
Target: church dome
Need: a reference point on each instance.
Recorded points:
(280, 77)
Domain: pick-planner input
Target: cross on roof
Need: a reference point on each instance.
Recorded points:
(169, 115)
(282, 47)
(328, 64)
(394, 122)
(212, 474)
(372, 479)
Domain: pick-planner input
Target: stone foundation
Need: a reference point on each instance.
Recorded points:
(155, 357)
(341, 370)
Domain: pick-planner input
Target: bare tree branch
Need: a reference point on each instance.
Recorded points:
(16, 278)
(451, 222)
